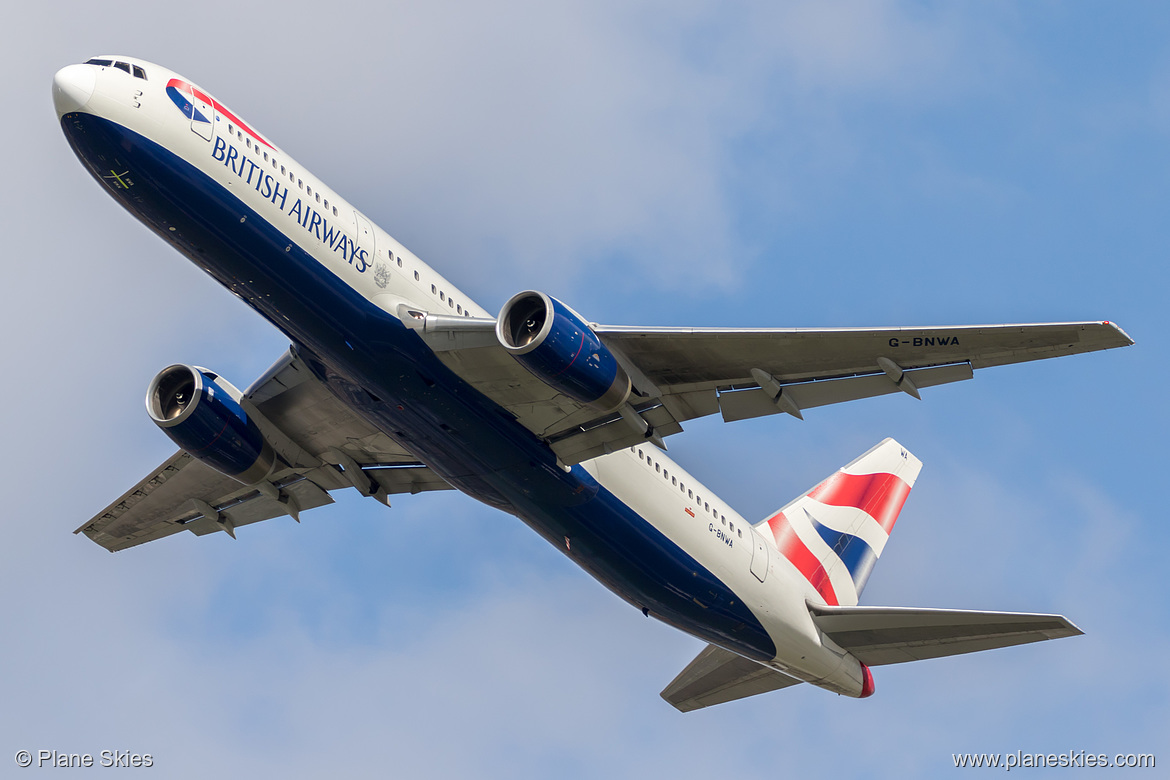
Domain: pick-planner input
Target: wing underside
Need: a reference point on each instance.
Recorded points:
(678, 374)
(683, 373)
(323, 446)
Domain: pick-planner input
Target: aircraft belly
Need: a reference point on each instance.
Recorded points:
(649, 569)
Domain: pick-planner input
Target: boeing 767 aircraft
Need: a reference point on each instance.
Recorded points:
(397, 382)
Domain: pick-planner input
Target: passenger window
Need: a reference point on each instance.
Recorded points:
(282, 171)
(309, 190)
(706, 507)
(657, 467)
(399, 262)
(416, 276)
(451, 303)
(674, 480)
(248, 141)
(301, 183)
(442, 296)
(739, 534)
(459, 310)
(335, 211)
(318, 197)
(327, 203)
(231, 130)
(434, 289)
(690, 494)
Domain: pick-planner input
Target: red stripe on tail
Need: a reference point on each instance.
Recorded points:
(880, 496)
(792, 548)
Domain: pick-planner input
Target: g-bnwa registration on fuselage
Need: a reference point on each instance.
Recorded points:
(397, 382)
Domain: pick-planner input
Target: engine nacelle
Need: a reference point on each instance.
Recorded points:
(554, 343)
(198, 411)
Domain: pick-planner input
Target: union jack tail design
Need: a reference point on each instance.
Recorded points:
(835, 533)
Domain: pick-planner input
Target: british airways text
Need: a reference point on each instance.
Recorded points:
(307, 217)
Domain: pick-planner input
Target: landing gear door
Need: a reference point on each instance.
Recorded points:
(760, 559)
(202, 117)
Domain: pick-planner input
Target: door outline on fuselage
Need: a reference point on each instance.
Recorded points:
(200, 107)
(365, 234)
(761, 559)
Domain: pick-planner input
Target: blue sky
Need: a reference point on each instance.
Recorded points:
(788, 164)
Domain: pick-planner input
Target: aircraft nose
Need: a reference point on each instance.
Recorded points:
(72, 87)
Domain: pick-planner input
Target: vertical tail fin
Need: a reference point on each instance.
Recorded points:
(835, 533)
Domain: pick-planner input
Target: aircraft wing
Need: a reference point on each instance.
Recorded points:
(894, 635)
(325, 446)
(717, 676)
(683, 373)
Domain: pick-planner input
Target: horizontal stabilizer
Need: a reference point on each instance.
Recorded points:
(894, 635)
(717, 675)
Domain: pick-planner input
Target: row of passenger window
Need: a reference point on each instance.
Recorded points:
(450, 301)
(292, 177)
(689, 493)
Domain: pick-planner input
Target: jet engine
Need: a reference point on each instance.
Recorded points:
(201, 413)
(554, 343)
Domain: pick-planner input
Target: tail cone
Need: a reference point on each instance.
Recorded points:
(866, 686)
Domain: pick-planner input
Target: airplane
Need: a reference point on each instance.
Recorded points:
(396, 381)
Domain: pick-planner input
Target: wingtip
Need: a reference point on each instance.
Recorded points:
(1070, 629)
(1125, 337)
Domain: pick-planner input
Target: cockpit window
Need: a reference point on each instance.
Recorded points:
(103, 63)
(122, 66)
(139, 73)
